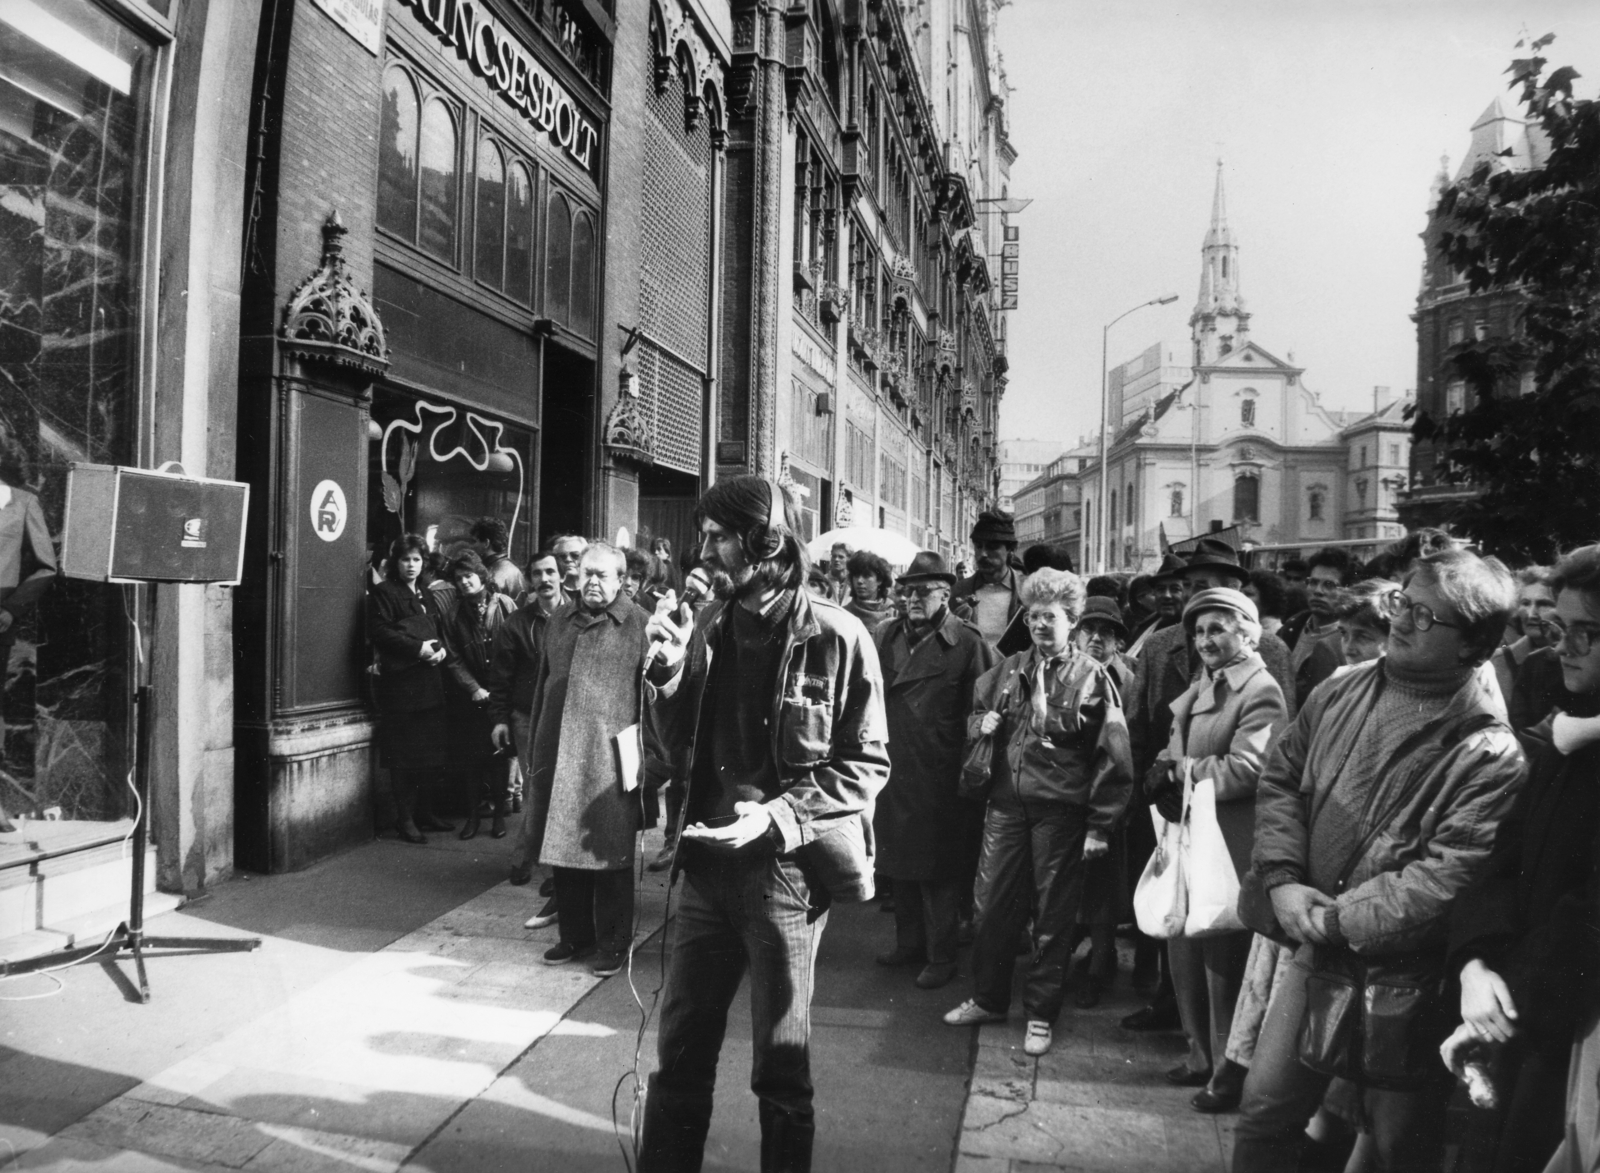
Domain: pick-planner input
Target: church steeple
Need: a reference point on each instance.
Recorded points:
(1219, 323)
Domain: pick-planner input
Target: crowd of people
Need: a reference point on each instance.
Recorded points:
(1400, 757)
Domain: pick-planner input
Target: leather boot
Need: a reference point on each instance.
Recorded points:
(403, 784)
(497, 823)
(469, 829)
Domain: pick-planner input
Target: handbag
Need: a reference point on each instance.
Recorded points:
(1161, 898)
(1377, 1023)
(1208, 865)
(977, 760)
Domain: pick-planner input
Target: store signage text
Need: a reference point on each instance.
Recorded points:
(328, 511)
(501, 60)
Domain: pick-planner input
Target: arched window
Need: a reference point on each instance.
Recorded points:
(583, 275)
(1128, 499)
(397, 155)
(1111, 515)
(436, 233)
(1176, 506)
(489, 226)
(1247, 412)
(1314, 502)
(519, 234)
(1246, 498)
(558, 260)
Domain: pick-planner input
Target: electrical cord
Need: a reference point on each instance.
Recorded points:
(630, 1151)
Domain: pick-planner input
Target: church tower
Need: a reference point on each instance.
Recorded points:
(1219, 324)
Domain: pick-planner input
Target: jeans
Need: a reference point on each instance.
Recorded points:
(737, 913)
(927, 918)
(595, 908)
(1031, 858)
(1207, 975)
(1280, 1095)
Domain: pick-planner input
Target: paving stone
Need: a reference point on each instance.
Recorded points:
(66, 1154)
(305, 1150)
(165, 1131)
(1103, 1139)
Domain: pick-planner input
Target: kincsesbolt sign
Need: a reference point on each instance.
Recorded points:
(500, 59)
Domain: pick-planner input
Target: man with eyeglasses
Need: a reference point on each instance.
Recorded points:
(1377, 808)
(568, 549)
(927, 834)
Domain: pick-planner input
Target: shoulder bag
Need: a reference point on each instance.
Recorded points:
(977, 761)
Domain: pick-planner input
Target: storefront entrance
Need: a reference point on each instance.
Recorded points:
(568, 443)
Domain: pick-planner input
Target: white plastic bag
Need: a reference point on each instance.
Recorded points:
(1160, 900)
(1213, 905)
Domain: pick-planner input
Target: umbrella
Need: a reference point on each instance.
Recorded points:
(895, 549)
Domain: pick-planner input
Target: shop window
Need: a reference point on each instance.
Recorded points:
(583, 275)
(519, 234)
(438, 202)
(397, 155)
(435, 468)
(558, 260)
(74, 136)
(489, 220)
(1246, 499)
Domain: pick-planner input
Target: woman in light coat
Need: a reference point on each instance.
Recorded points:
(1222, 726)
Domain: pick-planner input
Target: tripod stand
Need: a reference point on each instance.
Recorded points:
(129, 937)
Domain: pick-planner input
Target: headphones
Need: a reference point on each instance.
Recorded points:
(766, 540)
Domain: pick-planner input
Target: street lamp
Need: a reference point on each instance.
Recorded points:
(1102, 544)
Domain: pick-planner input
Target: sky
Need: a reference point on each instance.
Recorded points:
(1329, 118)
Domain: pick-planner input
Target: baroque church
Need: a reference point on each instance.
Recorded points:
(1236, 441)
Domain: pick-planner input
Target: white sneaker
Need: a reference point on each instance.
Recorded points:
(1038, 1038)
(969, 1013)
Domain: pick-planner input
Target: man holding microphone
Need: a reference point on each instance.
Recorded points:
(773, 699)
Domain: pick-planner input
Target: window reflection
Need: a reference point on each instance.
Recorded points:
(519, 234)
(558, 260)
(489, 224)
(583, 275)
(437, 233)
(74, 111)
(397, 155)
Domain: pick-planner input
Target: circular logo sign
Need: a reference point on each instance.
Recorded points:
(328, 511)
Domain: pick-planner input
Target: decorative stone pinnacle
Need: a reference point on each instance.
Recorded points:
(328, 319)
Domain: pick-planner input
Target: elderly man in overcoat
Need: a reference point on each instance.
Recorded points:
(931, 660)
(589, 691)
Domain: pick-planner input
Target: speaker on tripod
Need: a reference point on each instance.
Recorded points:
(131, 525)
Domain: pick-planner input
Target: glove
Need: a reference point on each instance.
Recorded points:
(1170, 805)
(1158, 779)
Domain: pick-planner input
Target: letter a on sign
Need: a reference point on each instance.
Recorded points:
(328, 511)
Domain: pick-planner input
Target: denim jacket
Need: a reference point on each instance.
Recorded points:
(829, 736)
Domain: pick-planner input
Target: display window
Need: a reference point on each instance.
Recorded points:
(436, 467)
(75, 124)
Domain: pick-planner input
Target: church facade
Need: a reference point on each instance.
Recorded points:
(1241, 442)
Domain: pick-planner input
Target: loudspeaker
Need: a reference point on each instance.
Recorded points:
(138, 525)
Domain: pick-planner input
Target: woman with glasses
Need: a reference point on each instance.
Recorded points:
(1062, 776)
(1525, 945)
(1221, 729)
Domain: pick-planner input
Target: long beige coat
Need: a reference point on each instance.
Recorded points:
(1226, 723)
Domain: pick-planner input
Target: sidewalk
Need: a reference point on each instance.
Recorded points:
(1096, 1102)
(342, 1045)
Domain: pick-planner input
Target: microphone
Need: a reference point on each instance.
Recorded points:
(695, 588)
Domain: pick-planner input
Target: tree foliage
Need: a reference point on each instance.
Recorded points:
(1536, 456)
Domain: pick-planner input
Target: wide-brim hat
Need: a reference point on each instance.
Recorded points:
(1105, 609)
(994, 527)
(927, 565)
(1171, 567)
(1211, 553)
(1223, 599)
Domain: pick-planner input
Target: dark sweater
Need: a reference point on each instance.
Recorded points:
(733, 759)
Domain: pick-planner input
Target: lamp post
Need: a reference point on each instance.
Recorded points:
(1102, 544)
